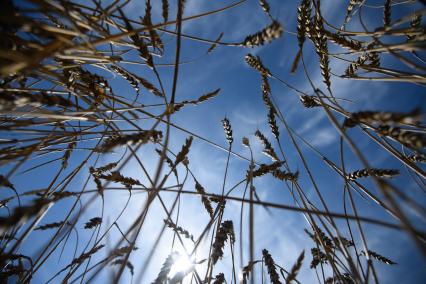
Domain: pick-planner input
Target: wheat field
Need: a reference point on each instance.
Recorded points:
(196, 141)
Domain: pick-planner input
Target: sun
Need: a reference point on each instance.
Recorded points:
(182, 265)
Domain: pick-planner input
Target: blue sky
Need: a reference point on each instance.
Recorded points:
(240, 100)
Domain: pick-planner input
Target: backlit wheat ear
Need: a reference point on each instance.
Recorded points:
(9, 101)
(22, 213)
(67, 153)
(49, 226)
(225, 230)
(108, 167)
(353, 45)
(374, 59)
(256, 63)
(178, 229)
(309, 101)
(303, 21)
(116, 176)
(417, 158)
(139, 42)
(273, 123)
(122, 251)
(295, 269)
(182, 155)
(247, 270)
(382, 173)
(86, 255)
(353, 67)
(146, 20)
(271, 32)
(126, 75)
(165, 269)
(265, 7)
(379, 257)
(317, 257)
(303, 28)
(206, 202)
(265, 169)
(342, 278)
(149, 86)
(202, 98)
(98, 183)
(407, 138)
(219, 279)
(268, 150)
(94, 222)
(382, 117)
(282, 175)
(214, 45)
(320, 237)
(415, 24)
(266, 91)
(169, 161)
(228, 130)
(143, 137)
(320, 41)
(129, 265)
(347, 243)
(270, 265)
(351, 6)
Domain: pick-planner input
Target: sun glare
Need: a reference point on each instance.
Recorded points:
(182, 265)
